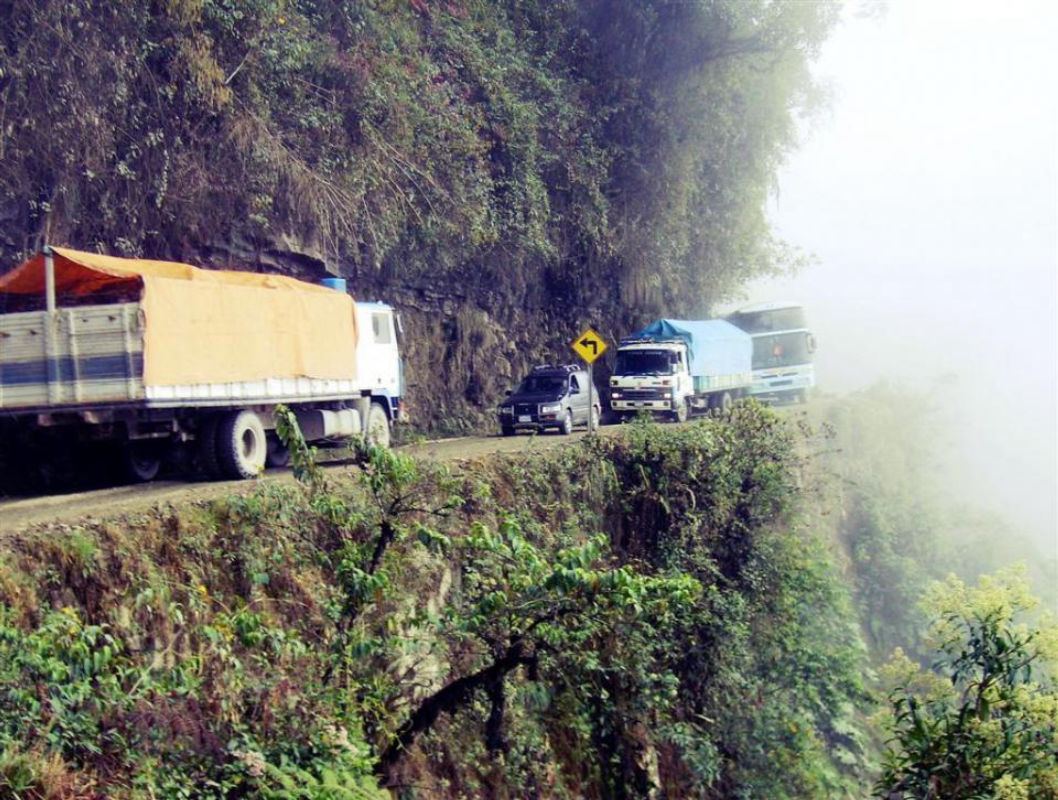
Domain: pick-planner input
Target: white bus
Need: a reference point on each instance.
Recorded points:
(782, 350)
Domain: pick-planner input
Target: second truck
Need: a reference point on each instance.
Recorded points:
(677, 367)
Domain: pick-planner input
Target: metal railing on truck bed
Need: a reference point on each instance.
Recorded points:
(72, 356)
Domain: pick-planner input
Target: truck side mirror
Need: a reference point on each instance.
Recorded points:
(507, 393)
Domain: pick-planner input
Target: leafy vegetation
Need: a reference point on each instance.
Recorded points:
(596, 621)
(984, 721)
(661, 611)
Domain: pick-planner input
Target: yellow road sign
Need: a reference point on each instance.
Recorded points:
(589, 345)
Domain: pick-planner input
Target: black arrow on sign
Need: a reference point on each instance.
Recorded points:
(594, 345)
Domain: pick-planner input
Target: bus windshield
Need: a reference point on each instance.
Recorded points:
(781, 349)
(776, 319)
(644, 362)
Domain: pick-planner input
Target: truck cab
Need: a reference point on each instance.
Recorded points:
(679, 367)
(549, 397)
(379, 365)
(651, 375)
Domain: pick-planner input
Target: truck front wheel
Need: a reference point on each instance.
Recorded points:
(377, 426)
(241, 444)
(680, 414)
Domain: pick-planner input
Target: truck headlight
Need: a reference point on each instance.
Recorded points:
(553, 409)
(506, 410)
(615, 395)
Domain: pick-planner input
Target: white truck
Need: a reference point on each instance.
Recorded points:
(678, 367)
(152, 361)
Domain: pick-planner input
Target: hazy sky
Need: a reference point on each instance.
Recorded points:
(929, 194)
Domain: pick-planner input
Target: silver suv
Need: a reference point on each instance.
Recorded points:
(549, 397)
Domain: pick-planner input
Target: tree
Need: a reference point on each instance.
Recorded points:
(983, 722)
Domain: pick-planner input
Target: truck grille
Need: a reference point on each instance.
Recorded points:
(642, 394)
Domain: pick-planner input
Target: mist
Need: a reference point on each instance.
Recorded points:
(928, 198)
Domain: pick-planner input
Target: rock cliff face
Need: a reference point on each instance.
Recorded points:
(505, 173)
(466, 338)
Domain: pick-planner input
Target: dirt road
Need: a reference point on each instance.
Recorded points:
(20, 513)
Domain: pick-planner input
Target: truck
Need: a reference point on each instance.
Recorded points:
(677, 367)
(783, 349)
(149, 362)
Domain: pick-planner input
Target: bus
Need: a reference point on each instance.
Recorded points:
(782, 350)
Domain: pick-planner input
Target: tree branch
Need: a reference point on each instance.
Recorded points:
(448, 699)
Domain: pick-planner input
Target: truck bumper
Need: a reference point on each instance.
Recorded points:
(631, 406)
(787, 389)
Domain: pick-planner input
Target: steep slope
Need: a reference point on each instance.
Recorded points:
(595, 621)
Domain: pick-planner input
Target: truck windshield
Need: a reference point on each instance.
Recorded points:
(781, 349)
(643, 362)
(542, 384)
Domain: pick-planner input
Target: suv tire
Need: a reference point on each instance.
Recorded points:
(567, 423)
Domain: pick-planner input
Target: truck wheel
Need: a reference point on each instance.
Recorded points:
(567, 424)
(241, 444)
(140, 462)
(680, 415)
(278, 454)
(725, 402)
(53, 471)
(377, 425)
(206, 438)
(508, 430)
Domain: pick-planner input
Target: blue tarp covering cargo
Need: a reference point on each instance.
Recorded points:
(716, 346)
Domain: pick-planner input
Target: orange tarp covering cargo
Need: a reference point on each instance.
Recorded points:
(211, 326)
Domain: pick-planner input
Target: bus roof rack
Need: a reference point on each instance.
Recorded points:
(554, 368)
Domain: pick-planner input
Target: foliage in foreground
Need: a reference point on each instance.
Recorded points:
(611, 619)
(983, 722)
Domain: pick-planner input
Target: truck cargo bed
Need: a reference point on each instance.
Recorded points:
(94, 355)
(73, 356)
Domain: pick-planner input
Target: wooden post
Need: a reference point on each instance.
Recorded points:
(591, 400)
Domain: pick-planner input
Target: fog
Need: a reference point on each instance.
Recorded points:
(929, 196)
